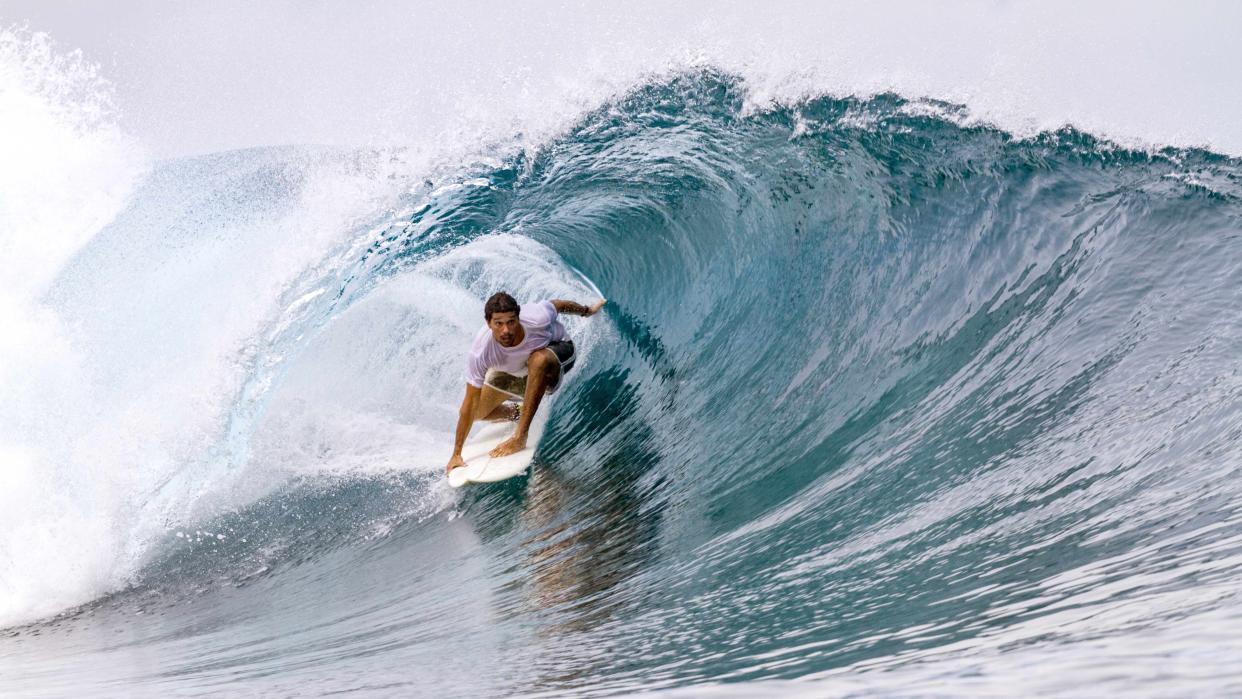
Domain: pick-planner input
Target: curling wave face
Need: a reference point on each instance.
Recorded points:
(876, 392)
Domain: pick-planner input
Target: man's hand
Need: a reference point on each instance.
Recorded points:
(454, 461)
(595, 307)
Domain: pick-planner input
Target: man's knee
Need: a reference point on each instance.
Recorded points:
(543, 363)
(538, 361)
(479, 411)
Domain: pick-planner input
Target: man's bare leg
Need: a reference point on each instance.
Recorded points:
(503, 412)
(541, 367)
(491, 405)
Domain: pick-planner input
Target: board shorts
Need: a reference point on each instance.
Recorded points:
(515, 386)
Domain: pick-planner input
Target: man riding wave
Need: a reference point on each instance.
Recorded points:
(515, 355)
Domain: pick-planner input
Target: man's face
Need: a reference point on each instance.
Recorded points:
(505, 328)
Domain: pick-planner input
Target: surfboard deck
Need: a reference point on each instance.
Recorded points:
(481, 468)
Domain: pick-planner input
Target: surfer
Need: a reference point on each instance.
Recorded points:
(513, 355)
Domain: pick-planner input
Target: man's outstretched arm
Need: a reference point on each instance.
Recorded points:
(465, 420)
(577, 309)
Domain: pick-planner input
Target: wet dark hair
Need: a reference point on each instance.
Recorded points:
(500, 302)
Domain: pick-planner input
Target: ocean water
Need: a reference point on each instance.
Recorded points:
(884, 401)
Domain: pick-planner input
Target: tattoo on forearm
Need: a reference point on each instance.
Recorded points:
(574, 308)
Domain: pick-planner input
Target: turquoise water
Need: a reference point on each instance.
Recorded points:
(882, 402)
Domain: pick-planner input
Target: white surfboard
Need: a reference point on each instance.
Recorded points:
(482, 468)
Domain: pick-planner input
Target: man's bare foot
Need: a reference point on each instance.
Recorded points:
(511, 445)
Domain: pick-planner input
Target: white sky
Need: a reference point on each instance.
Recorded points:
(209, 76)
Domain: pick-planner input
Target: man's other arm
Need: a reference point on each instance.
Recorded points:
(577, 309)
(465, 420)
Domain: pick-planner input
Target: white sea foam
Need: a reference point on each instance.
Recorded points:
(122, 346)
(65, 170)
